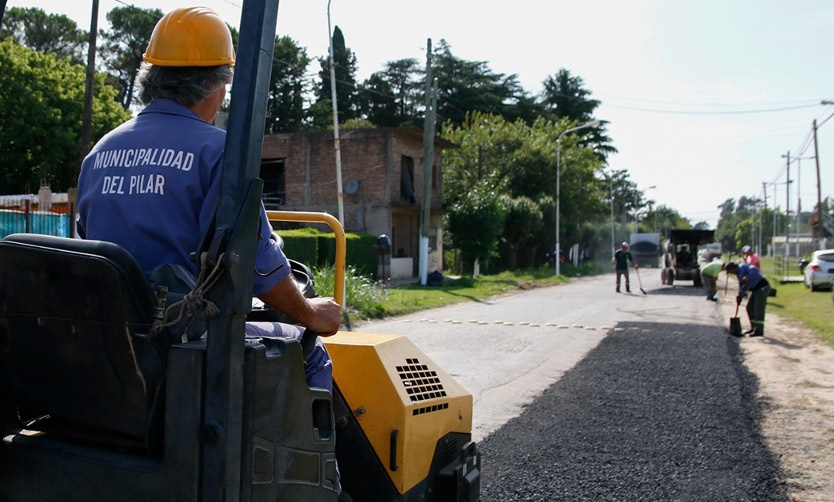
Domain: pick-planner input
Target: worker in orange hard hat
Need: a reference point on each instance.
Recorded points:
(151, 185)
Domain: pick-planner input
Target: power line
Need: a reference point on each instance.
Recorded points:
(701, 112)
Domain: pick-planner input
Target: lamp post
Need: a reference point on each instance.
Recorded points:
(593, 123)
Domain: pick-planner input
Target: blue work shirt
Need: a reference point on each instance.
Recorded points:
(151, 186)
(751, 273)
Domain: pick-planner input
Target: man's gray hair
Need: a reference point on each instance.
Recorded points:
(187, 85)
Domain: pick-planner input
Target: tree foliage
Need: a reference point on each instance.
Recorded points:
(523, 223)
(129, 35)
(518, 161)
(285, 108)
(388, 98)
(347, 101)
(565, 96)
(48, 33)
(41, 102)
(476, 222)
(468, 86)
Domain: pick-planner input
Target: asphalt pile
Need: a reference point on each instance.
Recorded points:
(654, 412)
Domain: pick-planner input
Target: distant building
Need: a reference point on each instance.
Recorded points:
(382, 184)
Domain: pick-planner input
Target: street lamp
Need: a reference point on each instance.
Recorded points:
(593, 123)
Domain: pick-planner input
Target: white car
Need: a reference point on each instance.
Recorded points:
(819, 273)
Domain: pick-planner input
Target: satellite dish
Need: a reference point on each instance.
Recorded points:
(352, 186)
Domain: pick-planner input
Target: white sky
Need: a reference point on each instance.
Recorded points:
(672, 75)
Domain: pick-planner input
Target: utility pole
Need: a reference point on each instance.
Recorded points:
(336, 147)
(788, 206)
(775, 208)
(87, 114)
(820, 231)
(89, 84)
(761, 217)
(428, 163)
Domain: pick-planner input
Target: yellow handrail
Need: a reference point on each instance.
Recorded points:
(341, 243)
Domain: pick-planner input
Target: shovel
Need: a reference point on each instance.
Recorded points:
(637, 270)
(735, 323)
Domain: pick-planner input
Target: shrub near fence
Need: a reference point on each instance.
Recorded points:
(318, 249)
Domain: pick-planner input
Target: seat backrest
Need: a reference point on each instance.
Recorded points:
(72, 313)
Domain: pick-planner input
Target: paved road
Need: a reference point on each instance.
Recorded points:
(508, 350)
(584, 394)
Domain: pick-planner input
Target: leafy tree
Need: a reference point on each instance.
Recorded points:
(129, 35)
(285, 108)
(346, 93)
(741, 222)
(628, 199)
(377, 101)
(467, 86)
(518, 160)
(668, 219)
(523, 222)
(476, 223)
(389, 98)
(50, 33)
(565, 96)
(41, 102)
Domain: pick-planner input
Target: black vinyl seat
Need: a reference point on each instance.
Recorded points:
(74, 315)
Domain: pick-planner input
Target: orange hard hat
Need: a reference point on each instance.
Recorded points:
(190, 36)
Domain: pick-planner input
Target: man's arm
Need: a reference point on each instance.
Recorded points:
(322, 315)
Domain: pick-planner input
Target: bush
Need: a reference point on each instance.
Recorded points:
(318, 249)
(363, 296)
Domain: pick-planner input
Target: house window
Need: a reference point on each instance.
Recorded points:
(407, 180)
(275, 189)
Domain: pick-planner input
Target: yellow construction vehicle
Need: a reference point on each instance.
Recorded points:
(94, 407)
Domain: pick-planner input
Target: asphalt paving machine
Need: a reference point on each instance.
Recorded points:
(94, 407)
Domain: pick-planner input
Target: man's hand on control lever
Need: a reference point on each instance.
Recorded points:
(322, 315)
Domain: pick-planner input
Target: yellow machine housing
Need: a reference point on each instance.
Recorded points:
(411, 404)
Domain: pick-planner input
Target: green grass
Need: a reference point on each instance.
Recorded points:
(414, 297)
(813, 309)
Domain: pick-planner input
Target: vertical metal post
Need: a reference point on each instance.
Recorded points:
(232, 242)
(821, 231)
(336, 143)
(428, 163)
(89, 86)
(611, 181)
(788, 207)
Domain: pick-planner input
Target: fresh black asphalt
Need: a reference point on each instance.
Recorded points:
(663, 412)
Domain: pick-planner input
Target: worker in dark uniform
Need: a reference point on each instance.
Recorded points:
(620, 262)
(751, 280)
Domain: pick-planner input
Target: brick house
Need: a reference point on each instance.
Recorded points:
(382, 185)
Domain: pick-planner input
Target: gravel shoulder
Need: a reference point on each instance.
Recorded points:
(795, 385)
